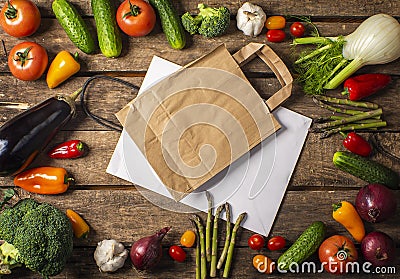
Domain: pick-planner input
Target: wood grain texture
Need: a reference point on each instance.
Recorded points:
(115, 208)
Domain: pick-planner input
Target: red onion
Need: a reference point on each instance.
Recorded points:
(376, 203)
(378, 248)
(146, 252)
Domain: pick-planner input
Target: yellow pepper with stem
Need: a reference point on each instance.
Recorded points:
(61, 68)
(79, 226)
(346, 214)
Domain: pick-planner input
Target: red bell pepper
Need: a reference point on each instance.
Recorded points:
(69, 150)
(361, 86)
(357, 144)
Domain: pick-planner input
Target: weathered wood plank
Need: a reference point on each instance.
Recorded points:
(126, 215)
(135, 217)
(106, 98)
(359, 8)
(81, 265)
(314, 168)
(137, 52)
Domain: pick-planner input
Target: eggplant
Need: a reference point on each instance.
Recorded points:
(23, 137)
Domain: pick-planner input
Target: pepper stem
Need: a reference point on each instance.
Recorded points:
(336, 206)
(75, 95)
(68, 180)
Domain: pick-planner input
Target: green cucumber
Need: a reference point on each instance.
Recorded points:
(73, 24)
(108, 34)
(366, 169)
(171, 23)
(307, 243)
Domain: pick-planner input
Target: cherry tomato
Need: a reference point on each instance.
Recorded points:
(297, 29)
(28, 61)
(136, 17)
(276, 243)
(188, 238)
(276, 36)
(275, 22)
(20, 18)
(177, 253)
(263, 264)
(335, 252)
(256, 242)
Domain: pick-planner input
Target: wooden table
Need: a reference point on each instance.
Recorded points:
(115, 209)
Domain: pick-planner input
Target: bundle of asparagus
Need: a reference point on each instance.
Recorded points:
(348, 116)
(207, 242)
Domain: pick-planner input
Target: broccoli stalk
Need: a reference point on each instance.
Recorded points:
(210, 22)
(9, 258)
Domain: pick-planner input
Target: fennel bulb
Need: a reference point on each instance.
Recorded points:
(375, 41)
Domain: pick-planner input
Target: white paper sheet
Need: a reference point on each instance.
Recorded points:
(255, 183)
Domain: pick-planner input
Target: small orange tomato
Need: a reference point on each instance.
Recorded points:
(188, 238)
(263, 264)
(275, 22)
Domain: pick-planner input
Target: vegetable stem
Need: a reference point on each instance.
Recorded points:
(203, 260)
(75, 95)
(351, 127)
(227, 236)
(208, 226)
(349, 119)
(214, 246)
(351, 68)
(311, 40)
(347, 102)
(198, 256)
(232, 245)
(336, 109)
(313, 53)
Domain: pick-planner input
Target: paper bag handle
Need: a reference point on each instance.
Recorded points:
(274, 62)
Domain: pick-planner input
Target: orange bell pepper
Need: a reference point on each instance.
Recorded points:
(44, 180)
(79, 226)
(61, 68)
(346, 214)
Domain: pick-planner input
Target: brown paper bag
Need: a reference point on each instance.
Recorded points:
(197, 121)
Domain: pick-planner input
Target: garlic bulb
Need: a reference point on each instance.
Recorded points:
(250, 19)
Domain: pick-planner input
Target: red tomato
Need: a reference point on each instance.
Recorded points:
(276, 36)
(275, 22)
(177, 253)
(136, 17)
(297, 29)
(276, 243)
(256, 242)
(335, 252)
(28, 61)
(20, 18)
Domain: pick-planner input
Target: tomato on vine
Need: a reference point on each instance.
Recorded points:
(297, 29)
(28, 61)
(136, 17)
(20, 18)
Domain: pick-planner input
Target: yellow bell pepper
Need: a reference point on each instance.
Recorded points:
(61, 68)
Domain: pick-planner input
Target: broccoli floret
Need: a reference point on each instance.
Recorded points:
(210, 22)
(43, 236)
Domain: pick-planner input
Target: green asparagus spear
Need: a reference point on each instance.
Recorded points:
(227, 236)
(214, 244)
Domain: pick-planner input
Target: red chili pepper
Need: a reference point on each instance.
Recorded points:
(69, 150)
(357, 144)
(44, 180)
(361, 86)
